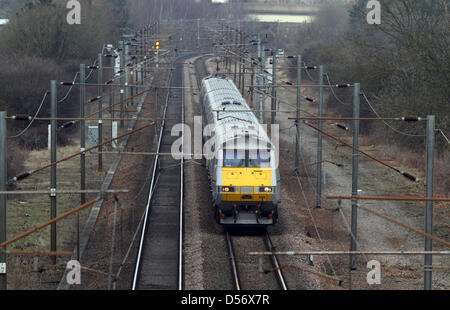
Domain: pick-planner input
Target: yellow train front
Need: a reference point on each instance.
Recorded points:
(246, 196)
(243, 169)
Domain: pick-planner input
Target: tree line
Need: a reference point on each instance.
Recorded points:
(402, 63)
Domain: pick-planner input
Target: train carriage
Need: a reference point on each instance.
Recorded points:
(244, 167)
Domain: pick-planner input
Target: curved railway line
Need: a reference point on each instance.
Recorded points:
(159, 262)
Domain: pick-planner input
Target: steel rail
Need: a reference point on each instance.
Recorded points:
(147, 207)
(180, 236)
(393, 198)
(307, 253)
(276, 265)
(234, 270)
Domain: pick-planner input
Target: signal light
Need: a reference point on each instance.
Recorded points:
(157, 45)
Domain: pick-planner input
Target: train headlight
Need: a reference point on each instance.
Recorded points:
(265, 189)
(227, 189)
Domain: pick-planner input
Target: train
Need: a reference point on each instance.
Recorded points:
(243, 168)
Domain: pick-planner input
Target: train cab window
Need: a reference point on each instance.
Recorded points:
(259, 158)
(233, 158)
(226, 103)
(237, 103)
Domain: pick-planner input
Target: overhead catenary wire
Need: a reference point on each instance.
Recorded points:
(70, 89)
(386, 123)
(74, 79)
(304, 166)
(334, 94)
(314, 221)
(54, 220)
(443, 134)
(405, 174)
(446, 243)
(28, 173)
(42, 103)
(33, 119)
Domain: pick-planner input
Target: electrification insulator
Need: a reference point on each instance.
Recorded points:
(66, 83)
(288, 83)
(342, 85)
(310, 67)
(342, 126)
(409, 176)
(109, 82)
(21, 176)
(68, 124)
(93, 67)
(411, 119)
(290, 57)
(94, 99)
(309, 99)
(22, 117)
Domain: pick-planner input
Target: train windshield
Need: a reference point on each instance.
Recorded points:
(259, 158)
(233, 158)
(247, 158)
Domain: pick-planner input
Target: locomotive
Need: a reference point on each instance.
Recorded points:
(245, 179)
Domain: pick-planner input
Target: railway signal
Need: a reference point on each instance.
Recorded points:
(157, 45)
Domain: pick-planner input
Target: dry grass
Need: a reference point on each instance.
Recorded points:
(413, 162)
(28, 211)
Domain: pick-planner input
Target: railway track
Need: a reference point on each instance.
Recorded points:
(201, 71)
(159, 263)
(236, 271)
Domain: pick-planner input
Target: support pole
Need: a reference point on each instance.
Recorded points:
(122, 81)
(82, 148)
(112, 89)
(235, 59)
(252, 80)
(113, 238)
(121, 109)
(259, 82)
(429, 204)
(274, 89)
(297, 122)
(131, 87)
(100, 113)
(238, 46)
(53, 159)
(3, 180)
(82, 132)
(243, 67)
(319, 142)
(355, 162)
(198, 33)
